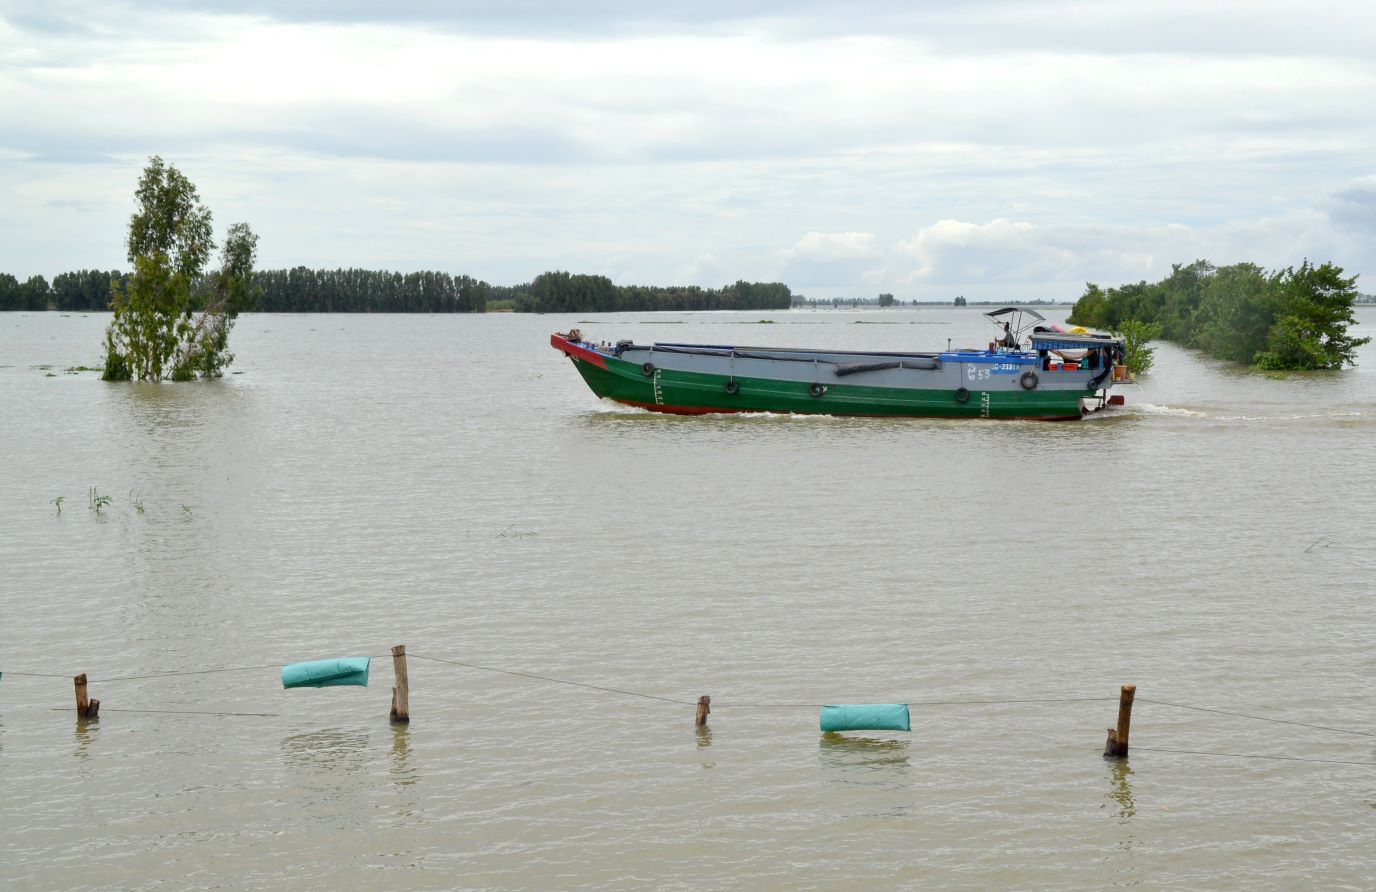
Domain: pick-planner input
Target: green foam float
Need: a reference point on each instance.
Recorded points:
(327, 673)
(866, 717)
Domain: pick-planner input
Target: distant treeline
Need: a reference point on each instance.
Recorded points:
(298, 290)
(303, 290)
(561, 292)
(88, 289)
(1291, 319)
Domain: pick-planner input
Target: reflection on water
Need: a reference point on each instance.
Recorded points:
(327, 760)
(329, 777)
(403, 772)
(85, 736)
(1120, 791)
(331, 752)
(866, 753)
(703, 736)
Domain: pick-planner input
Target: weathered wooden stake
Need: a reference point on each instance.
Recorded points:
(401, 705)
(85, 709)
(704, 707)
(1117, 745)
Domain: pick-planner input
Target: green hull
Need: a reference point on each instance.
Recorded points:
(693, 393)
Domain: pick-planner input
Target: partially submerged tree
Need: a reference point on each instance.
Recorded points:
(1137, 355)
(1315, 310)
(1291, 319)
(172, 320)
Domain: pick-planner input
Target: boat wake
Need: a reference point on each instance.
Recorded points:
(1152, 409)
(1179, 412)
(612, 408)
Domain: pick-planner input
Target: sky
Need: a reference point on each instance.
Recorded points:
(995, 150)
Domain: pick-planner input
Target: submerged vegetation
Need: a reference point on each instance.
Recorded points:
(1138, 355)
(1292, 319)
(97, 502)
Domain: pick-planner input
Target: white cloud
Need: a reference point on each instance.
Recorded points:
(923, 146)
(826, 247)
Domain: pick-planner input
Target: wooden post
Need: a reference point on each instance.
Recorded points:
(704, 707)
(401, 704)
(1117, 745)
(85, 709)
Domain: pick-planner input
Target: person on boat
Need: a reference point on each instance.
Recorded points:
(1008, 340)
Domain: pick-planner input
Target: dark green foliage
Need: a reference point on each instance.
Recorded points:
(33, 294)
(302, 290)
(1291, 319)
(9, 293)
(1235, 313)
(561, 292)
(1137, 356)
(87, 289)
(1314, 306)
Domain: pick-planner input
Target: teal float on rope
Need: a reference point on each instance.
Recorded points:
(866, 717)
(326, 673)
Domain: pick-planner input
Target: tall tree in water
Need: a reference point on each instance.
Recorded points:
(171, 320)
(1315, 310)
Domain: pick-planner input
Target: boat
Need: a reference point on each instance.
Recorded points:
(1021, 375)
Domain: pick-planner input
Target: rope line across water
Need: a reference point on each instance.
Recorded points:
(576, 684)
(187, 672)
(166, 674)
(1256, 718)
(1157, 749)
(918, 703)
(180, 712)
(720, 705)
(33, 674)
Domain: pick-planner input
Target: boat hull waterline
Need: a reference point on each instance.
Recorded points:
(695, 379)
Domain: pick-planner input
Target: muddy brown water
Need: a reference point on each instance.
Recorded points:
(449, 483)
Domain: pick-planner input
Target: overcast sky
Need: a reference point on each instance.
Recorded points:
(995, 150)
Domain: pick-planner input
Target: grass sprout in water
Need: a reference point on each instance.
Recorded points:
(98, 502)
(58, 502)
(136, 498)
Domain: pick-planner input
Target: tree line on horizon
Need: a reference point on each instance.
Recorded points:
(1290, 319)
(297, 290)
(304, 290)
(563, 292)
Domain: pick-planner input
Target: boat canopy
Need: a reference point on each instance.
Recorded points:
(1017, 322)
(1006, 311)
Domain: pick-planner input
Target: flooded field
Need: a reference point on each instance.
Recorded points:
(449, 483)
